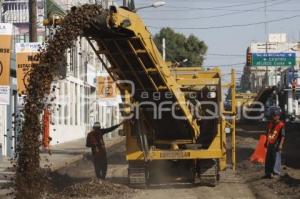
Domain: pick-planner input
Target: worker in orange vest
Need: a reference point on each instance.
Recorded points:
(274, 142)
(96, 143)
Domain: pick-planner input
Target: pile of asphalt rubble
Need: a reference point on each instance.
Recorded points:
(31, 182)
(92, 188)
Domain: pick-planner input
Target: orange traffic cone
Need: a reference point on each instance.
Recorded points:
(259, 155)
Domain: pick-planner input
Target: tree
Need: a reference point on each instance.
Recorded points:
(179, 47)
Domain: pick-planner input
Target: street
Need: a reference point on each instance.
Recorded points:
(76, 180)
(179, 93)
(83, 171)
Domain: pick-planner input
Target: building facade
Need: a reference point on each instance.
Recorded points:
(77, 105)
(255, 78)
(282, 73)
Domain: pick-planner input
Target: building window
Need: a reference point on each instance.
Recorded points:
(71, 94)
(73, 60)
(87, 105)
(61, 102)
(76, 104)
(66, 102)
(81, 94)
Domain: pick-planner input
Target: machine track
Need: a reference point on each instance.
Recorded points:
(138, 175)
(207, 172)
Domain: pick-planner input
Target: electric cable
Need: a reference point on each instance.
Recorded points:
(229, 26)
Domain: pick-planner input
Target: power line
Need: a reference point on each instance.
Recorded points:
(222, 65)
(213, 8)
(217, 7)
(229, 26)
(221, 15)
(225, 55)
(218, 15)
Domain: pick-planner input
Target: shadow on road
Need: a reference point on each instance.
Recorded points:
(287, 179)
(243, 154)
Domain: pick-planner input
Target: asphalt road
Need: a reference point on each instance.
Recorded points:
(245, 183)
(77, 180)
(230, 186)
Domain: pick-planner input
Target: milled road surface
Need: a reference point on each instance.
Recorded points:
(285, 187)
(77, 180)
(246, 183)
(230, 186)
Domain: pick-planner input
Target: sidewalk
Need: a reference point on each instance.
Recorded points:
(5, 171)
(67, 153)
(61, 155)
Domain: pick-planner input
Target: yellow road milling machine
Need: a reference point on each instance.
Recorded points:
(176, 126)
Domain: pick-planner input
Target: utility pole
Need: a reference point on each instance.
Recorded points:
(267, 72)
(32, 20)
(266, 23)
(1, 10)
(125, 3)
(266, 35)
(164, 49)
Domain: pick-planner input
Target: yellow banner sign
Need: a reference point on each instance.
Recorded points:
(106, 88)
(5, 48)
(26, 55)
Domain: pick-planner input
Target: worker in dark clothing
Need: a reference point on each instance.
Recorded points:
(95, 142)
(274, 142)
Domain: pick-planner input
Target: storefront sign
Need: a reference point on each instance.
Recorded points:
(106, 88)
(26, 55)
(5, 53)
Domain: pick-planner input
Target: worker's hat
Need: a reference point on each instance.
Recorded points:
(276, 112)
(97, 125)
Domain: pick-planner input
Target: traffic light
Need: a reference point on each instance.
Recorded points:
(294, 84)
(249, 59)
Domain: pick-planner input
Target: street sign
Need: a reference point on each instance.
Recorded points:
(106, 88)
(26, 55)
(4, 95)
(5, 53)
(273, 59)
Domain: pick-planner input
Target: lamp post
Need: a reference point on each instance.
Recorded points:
(32, 6)
(1, 11)
(154, 5)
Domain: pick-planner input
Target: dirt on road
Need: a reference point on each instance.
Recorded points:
(285, 186)
(81, 173)
(77, 180)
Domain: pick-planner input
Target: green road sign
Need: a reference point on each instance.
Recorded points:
(273, 59)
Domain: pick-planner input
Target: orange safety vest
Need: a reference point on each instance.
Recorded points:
(273, 131)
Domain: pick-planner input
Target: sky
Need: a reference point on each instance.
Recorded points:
(226, 46)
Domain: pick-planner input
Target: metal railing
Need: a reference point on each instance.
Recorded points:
(16, 11)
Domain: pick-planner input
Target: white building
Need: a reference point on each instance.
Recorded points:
(77, 106)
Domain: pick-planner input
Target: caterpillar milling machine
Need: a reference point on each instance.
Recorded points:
(165, 134)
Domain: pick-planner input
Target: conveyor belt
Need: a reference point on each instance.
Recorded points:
(133, 56)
